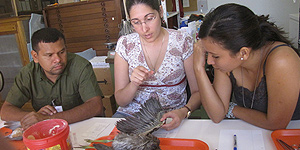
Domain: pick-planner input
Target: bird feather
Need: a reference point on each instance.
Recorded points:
(135, 131)
(145, 121)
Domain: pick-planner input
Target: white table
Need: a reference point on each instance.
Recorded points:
(201, 129)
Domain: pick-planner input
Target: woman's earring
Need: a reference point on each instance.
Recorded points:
(163, 23)
(242, 58)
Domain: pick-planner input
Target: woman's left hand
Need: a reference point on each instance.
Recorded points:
(177, 116)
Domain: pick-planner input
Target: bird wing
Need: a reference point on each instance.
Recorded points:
(145, 121)
(124, 141)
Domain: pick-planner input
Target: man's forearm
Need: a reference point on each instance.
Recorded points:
(87, 110)
(10, 112)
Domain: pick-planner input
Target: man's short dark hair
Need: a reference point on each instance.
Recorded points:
(45, 35)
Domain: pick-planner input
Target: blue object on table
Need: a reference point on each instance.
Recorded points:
(183, 23)
(235, 143)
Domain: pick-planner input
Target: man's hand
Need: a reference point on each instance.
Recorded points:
(32, 118)
(47, 110)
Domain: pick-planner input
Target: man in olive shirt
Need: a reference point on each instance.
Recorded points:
(59, 84)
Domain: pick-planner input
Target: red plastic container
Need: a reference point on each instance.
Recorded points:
(48, 134)
(290, 136)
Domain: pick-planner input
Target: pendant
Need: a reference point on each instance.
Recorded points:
(153, 70)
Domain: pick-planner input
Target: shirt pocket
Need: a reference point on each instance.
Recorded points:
(70, 101)
(38, 103)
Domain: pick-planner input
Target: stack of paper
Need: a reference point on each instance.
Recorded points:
(99, 62)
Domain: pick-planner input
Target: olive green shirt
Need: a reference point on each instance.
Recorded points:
(73, 87)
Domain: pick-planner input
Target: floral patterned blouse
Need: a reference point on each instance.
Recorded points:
(168, 83)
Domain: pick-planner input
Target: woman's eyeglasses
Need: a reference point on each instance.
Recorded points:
(147, 20)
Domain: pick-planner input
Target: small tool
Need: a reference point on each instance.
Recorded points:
(285, 145)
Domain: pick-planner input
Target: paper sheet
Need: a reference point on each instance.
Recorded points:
(186, 3)
(99, 62)
(87, 54)
(246, 140)
(162, 133)
(92, 132)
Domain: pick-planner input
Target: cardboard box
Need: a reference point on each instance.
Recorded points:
(109, 104)
(104, 80)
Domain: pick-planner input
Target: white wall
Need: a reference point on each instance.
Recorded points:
(278, 10)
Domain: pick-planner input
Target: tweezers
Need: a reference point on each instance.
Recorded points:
(285, 145)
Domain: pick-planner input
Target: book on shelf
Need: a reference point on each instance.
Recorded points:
(31, 5)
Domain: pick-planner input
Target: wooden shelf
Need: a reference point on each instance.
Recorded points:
(171, 14)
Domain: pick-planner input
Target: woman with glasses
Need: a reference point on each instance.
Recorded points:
(154, 62)
(254, 61)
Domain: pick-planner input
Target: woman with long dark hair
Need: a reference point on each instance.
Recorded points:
(255, 66)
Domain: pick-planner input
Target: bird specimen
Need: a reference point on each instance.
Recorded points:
(17, 130)
(135, 131)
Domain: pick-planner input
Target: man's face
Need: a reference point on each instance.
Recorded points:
(52, 57)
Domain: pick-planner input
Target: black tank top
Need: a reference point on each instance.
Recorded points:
(261, 96)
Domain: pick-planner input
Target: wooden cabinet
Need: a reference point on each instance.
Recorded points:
(86, 24)
(13, 50)
(14, 26)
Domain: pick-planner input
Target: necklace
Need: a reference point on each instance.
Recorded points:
(252, 101)
(147, 55)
